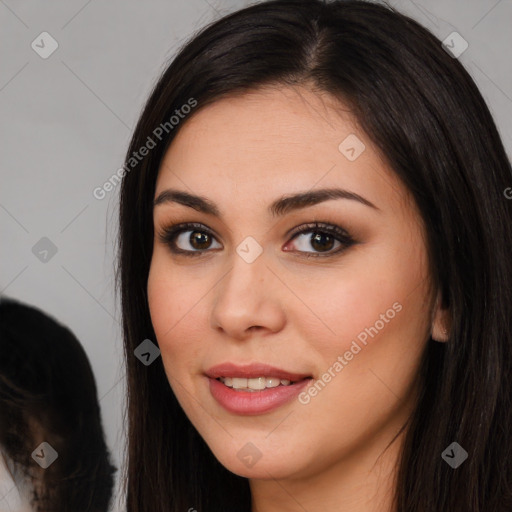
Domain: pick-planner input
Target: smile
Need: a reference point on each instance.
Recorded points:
(253, 389)
(257, 384)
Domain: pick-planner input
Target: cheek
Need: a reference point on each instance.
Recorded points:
(171, 294)
(174, 304)
(374, 310)
(374, 292)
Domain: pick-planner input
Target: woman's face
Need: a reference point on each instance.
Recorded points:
(345, 316)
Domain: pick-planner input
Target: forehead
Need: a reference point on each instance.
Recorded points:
(283, 121)
(271, 142)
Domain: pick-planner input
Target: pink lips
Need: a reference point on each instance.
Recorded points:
(252, 371)
(257, 402)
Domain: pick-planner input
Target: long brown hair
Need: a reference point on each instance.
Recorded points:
(424, 112)
(48, 391)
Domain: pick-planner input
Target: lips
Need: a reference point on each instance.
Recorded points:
(253, 371)
(240, 400)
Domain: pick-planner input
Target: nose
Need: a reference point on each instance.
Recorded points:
(248, 298)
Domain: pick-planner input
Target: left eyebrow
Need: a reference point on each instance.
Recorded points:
(289, 203)
(279, 207)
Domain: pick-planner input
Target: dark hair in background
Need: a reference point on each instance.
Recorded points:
(424, 112)
(48, 391)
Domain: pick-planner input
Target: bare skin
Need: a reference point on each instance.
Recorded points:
(325, 453)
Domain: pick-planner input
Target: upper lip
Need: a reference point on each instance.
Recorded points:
(251, 371)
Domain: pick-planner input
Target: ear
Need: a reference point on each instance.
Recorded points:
(441, 321)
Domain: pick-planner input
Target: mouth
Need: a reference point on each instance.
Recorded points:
(256, 384)
(255, 388)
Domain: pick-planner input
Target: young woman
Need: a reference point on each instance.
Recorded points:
(316, 233)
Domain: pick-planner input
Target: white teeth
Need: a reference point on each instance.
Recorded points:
(239, 383)
(254, 384)
(257, 383)
(272, 382)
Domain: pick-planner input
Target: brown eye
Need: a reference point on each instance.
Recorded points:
(322, 238)
(187, 239)
(322, 242)
(193, 239)
(199, 240)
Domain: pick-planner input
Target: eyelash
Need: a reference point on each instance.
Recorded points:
(169, 234)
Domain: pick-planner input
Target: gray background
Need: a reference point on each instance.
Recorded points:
(66, 122)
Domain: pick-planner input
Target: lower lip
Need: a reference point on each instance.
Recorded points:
(255, 402)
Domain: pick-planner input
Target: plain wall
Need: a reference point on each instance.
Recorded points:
(65, 126)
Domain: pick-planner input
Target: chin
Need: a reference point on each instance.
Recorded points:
(263, 468)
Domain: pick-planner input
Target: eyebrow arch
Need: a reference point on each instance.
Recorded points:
(279, 207)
